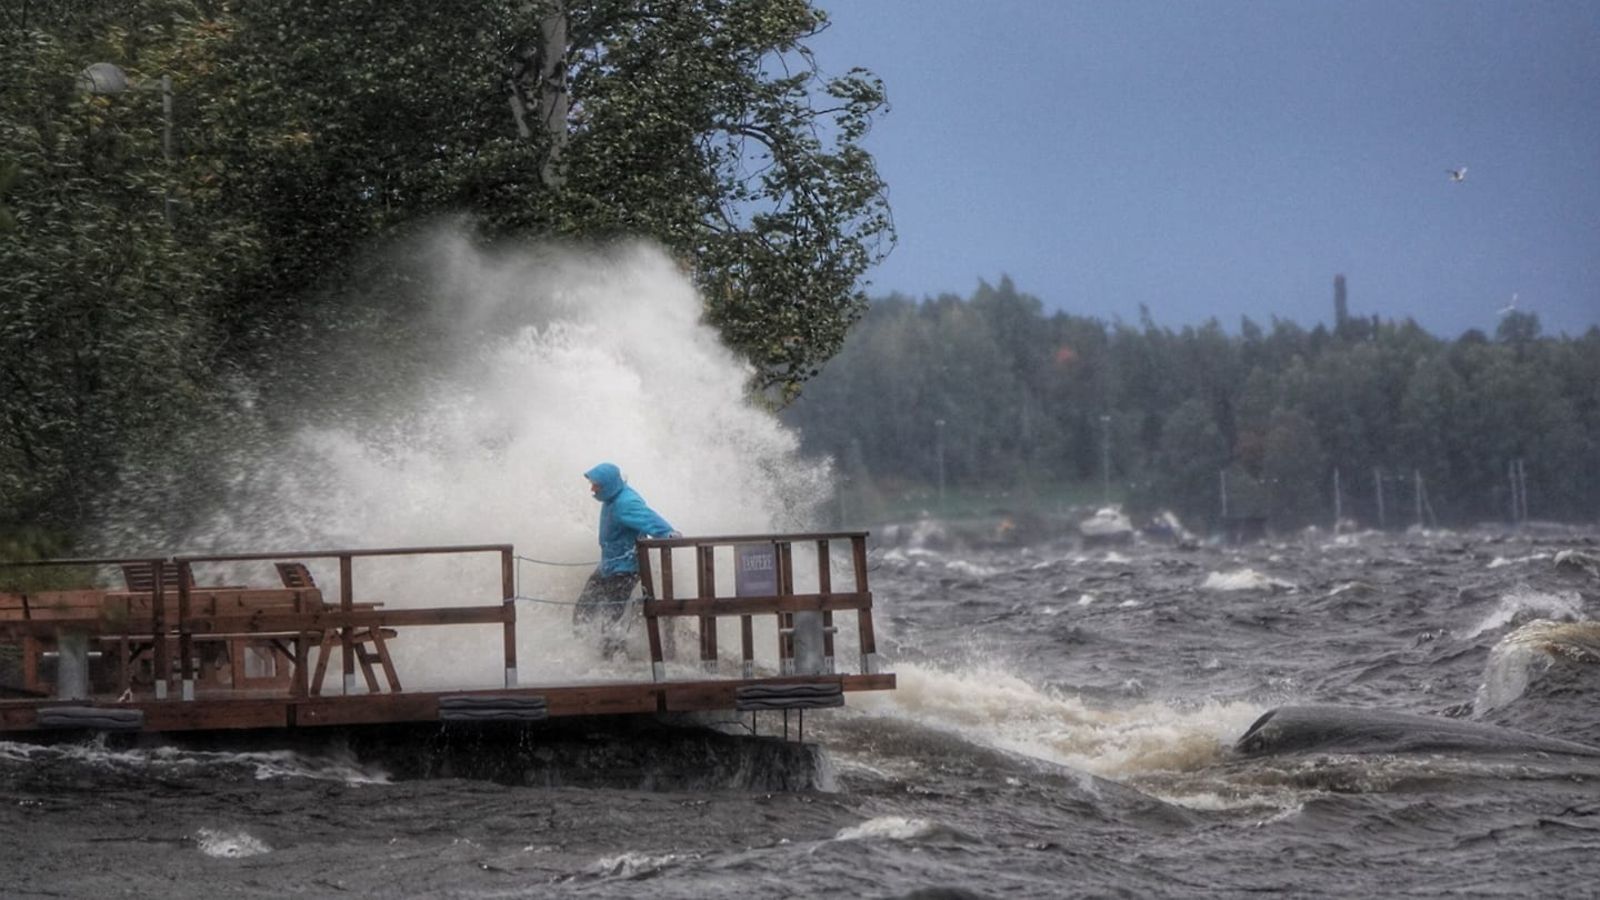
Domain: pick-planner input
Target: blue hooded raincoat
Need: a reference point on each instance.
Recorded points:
(624, 516)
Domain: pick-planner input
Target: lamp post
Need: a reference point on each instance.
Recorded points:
(104, 78)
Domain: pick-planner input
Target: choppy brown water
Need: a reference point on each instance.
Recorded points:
(1064, 727)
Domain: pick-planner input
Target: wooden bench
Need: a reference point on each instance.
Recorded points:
(121, 626)
(141, 576)
(369, 644)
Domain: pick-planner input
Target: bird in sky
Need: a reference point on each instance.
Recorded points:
(1458, 174)
(1511, 307)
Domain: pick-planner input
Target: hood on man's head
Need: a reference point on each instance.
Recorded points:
(609, 477)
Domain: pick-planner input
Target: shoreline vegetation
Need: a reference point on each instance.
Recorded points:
(1373, 422)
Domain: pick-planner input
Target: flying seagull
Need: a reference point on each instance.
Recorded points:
(1458, 174)
(1511, 308)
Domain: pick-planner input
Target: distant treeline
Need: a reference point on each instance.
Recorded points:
(995, 393)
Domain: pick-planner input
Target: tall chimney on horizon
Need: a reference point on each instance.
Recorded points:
(1341, 311)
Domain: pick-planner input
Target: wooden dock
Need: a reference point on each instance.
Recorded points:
(165, 653)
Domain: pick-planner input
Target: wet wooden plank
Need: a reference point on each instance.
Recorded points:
(219, 715)
(235, 713)
(879, 681)
(600, 700)
(700, 696)
(19, 718)
(367, 709)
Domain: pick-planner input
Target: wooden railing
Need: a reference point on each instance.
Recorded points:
(702, 601)
(294, 615)
(161, 623)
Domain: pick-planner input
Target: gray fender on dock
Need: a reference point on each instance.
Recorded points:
(492, 708)
(97, 718)
(789, 696)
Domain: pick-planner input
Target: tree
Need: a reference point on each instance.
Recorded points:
(1398, 400)
(8, 177)
(1517, 329)
(310, 133)
(703, 124)
(104, 345)
(1193, 451)
(1294, 470)
(1429, 438)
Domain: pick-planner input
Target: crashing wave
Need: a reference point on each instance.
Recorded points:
(1500, 562)
(892, 828)
(1528, 652)
(1580, 561)
(1244, 580)
(1524, 605)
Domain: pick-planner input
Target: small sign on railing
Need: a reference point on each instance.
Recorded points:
(755, 574)
(756, 570)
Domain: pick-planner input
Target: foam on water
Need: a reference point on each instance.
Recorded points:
(997, 709)
(263, 765)
(1501, 561)
(633, 865)
(225, 844)
(970, 569)
(889, 828)
(1524, 603)
(1243, 580)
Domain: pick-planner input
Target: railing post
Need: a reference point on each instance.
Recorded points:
(302, 655)
(747, 645)
(158, 625)
(508, 590)
(347, 644)
(707, 584)
(869, 643)
(825, 587)
(652, 625)
(785, 620)
(185, 638)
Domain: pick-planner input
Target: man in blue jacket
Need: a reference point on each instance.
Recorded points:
(624, 517)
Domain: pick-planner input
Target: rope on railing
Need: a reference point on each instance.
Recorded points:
(517, 585)
(573, 602)
(546, 562)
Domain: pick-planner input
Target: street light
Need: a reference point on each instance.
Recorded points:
(105, 78)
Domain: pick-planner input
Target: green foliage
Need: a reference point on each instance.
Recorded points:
(1276, 410)
(19, 545)
(104, 344)
(8, 178)
(146, 288)
(702, 124)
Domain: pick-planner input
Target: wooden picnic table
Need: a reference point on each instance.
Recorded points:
(253, 636)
